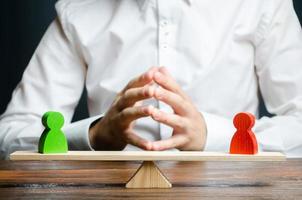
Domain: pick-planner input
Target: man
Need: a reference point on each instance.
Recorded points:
(218, 55)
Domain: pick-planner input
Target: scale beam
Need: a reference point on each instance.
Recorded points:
(148, 156)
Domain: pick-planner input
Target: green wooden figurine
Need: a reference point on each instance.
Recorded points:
(53, 139)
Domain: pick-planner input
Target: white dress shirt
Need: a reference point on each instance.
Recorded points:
(222, 53)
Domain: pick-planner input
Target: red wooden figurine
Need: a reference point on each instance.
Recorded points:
(244, 140)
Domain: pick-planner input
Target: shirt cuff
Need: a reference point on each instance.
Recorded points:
(77, 134)
(220, 131)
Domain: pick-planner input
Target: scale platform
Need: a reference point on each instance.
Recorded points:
(148, 175)
(148, 156)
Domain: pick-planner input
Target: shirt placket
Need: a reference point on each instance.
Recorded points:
(166, 33)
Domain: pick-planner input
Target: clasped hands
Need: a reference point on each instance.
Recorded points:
(115, 130)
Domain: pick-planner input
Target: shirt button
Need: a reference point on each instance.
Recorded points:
(164, 23)
(164, 46)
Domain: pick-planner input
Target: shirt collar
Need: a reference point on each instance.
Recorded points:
(143, 3)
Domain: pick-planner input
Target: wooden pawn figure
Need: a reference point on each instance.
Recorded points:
(244, 140)
(53, 139)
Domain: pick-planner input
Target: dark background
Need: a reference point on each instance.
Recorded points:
(22, 24)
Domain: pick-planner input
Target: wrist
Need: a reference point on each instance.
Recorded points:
(204, 132)
(93, 132)
(103, 138)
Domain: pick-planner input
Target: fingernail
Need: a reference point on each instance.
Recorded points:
(148, 146)
(158, 93)
(157, 75)
(146, 90)
(155, 147)
(151, 90)
(148, 75)
(156, 115)
(148, 110)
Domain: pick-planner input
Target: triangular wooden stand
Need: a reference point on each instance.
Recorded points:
(148, 176)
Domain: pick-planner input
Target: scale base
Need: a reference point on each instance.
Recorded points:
(148, 175)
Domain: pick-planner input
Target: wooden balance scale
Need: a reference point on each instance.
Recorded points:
(148, 175)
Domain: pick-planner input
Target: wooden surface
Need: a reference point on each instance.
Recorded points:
(148, 176)
(147, 156)
(191, 180)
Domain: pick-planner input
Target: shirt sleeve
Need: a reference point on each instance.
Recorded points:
(278, 60)
(53, 80)
(279, 69)
(77, 133)
(220, 131)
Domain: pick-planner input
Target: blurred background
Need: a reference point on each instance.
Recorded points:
(22, 24)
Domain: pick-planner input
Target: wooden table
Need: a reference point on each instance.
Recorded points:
(191, 180)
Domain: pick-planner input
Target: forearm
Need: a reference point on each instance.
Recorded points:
(19, 133)
(22, 132)
(281, 133)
